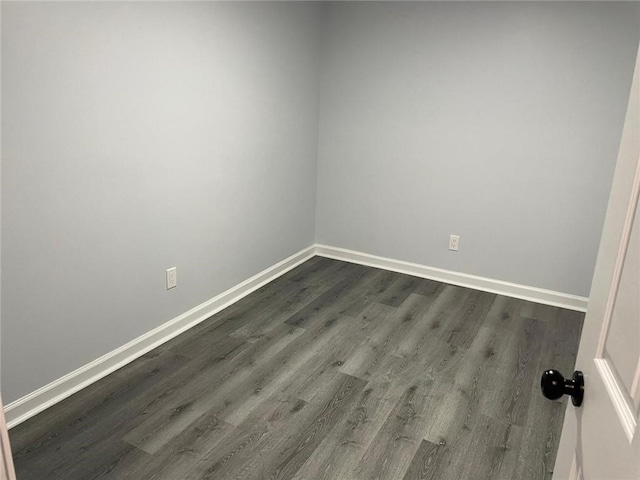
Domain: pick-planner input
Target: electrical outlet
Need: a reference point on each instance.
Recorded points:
(172, 278)
(454, 242)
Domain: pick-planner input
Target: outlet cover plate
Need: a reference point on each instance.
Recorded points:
(172, 278)
(454, 242)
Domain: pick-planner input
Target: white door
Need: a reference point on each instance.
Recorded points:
(6, 461)
(600, 440)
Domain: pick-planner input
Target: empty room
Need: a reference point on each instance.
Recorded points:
(320, 240)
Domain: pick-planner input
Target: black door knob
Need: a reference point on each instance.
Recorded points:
(554, 385)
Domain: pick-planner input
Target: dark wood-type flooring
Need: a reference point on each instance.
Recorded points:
(332, 371)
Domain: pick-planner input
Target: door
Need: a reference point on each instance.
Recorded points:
(600, 440)
(6, 461)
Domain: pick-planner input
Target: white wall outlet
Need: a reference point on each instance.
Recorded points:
(172, 278)
(454, 242)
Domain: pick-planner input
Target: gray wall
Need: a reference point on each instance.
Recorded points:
(141, 136)
(137, 137)
(498, 122)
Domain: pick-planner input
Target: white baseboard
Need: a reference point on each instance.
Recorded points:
(43, 398)
(533, 294)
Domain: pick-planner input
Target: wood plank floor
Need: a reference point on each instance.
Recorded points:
(332, 371)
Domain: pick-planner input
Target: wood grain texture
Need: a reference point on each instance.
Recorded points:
(536, 455)
(258, 433)
(427, 463)
(340, 452)
(399, 438)
(332, 371)
(176, 458)
(331, 408)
